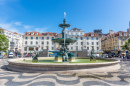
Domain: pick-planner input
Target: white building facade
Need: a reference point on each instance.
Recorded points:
(35, 41)
(85, 41)
(15, 41)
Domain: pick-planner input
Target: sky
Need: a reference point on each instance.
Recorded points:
(45, 15)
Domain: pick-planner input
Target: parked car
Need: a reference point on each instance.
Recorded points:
(115, 55)
(11, 55)
(1, 56)
(109, 56)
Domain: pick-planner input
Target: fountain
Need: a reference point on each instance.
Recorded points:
(64, 61)
(63, 55)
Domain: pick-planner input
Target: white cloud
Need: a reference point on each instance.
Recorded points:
(18, 23)
(10, 27)
(20, 28)
(27, 26)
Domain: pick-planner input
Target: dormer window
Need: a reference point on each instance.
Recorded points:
(87, 34)
(47, 33)
(36, 33)
(31, 33)
(27, 33)
(124, 34)
(120, 34)
(91, 34)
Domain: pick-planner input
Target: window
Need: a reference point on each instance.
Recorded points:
(31, 37)
(42, 42)
(71, 48)
(92, 43)
(81, 38)
(36, 34)
(52, 48)
(120, 34)
(76, 34)
(77, 48)
(31, 33)
(71, 34)
(26, 42)
(27, 33)
(47, 42)
(92, 47)
(31, 42)
(37, 38)
(47, 47)
(25, 48)
(26, 37)
(81, 34)
(96, 38)
(87, 43)
(47, 38)
(121, 43)
(76, 43)
(76, 37)
(52, 37)
(124, 34)
(97, 48)
(42, 38)
(81, 48)
(97, 43)
(91, 38)
(91, 34)
(87, 38)
(81, 43)
(121, 38)
(87, 48)
(36, 42)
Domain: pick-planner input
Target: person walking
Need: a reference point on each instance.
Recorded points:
(122, 58)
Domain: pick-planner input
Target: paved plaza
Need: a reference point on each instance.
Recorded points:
(119, 77)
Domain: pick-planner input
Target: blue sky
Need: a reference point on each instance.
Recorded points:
(45, 15)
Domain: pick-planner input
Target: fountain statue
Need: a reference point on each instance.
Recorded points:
(35, 57)
(92, 57)
(64, 55)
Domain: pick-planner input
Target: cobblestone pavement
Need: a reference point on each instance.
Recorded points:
(119, 77)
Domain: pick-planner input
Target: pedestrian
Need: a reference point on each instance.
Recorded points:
(122, 58)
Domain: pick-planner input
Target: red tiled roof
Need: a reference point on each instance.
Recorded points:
(90, 34)
(49, 34)
(76, 29)
(40, 34)
(34, 32)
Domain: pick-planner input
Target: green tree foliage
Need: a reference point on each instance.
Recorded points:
(127, 45)
(3, 41)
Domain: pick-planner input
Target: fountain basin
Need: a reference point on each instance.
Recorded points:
(16, 65)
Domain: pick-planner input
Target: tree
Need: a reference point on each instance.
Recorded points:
(127, 45)
(4, 43)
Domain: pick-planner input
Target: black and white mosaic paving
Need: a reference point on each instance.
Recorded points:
(119, 77)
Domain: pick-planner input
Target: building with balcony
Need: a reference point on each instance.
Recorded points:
(15, 41)
(85, 41)
(112, 43)
(35, 41)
